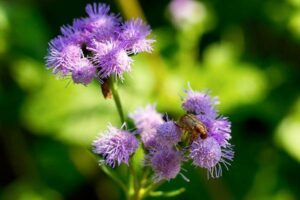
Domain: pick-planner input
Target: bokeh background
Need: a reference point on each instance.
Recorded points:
(247, 52)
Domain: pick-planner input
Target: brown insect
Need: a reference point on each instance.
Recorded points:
(191, 124)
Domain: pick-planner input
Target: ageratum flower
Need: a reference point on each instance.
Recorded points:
(97, 46)
(200, 103)
(219, 129)
(214, 150)
(100, 23)
(207, 153)
(111, 59)
(134, 34)
(169, 133)
(166, 164)
(115, 146)
(83, 71)
(146, 121)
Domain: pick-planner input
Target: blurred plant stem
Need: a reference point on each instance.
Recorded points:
(116, 97)
(131, 9)
(114, 176)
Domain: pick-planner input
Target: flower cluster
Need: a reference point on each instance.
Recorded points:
(97, 46)
(115, 146)
(200, 136)
(214, 150)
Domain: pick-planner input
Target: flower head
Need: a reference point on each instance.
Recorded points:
(134, 34)
(207, 153)
(62, 56)
(145, 118)
(169, 133)
(98, 18)
(166, 164)
(97, 43)
(83, 71)
(115, 146)
(146, 121)
(222, 130)
(75, 35)
(200, 103)
(111, 59)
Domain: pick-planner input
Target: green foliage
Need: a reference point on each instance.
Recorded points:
(245, 52)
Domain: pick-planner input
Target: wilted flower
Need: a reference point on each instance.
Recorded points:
(115, 146)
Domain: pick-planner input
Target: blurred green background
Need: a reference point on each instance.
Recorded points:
(247, 52)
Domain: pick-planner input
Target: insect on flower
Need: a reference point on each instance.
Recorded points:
(192, 125)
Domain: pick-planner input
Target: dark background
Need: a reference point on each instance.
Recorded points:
(247, 52)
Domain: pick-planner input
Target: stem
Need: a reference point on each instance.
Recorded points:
(114, 177)
(117, 100)
(135, 181)
(151, 188)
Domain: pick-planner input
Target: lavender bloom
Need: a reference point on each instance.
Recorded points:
(201, 104)
(169, 133)
(133, 36)
(97, 43)
(62, 55)
(220, 130)
(84, 72)
(207, 153)
(111, 59)
(146, 121)
(115, 146)
(75, 35)
(166, 164)
(99, 19)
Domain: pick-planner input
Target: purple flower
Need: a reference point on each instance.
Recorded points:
(165, 163)
(97, 43)
(219, 129)
(146, 121)
(115, 146)
(98, 18)
(75, 35)
(145, 118)
(207, 153)
(83, 72)
(169, 133)
(200, 103)
(111, 59)
(134, 34)
(62, 55)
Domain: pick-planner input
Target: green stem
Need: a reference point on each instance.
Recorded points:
(113, 87)
(150, 188)
(168, 193)
(114, 177)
